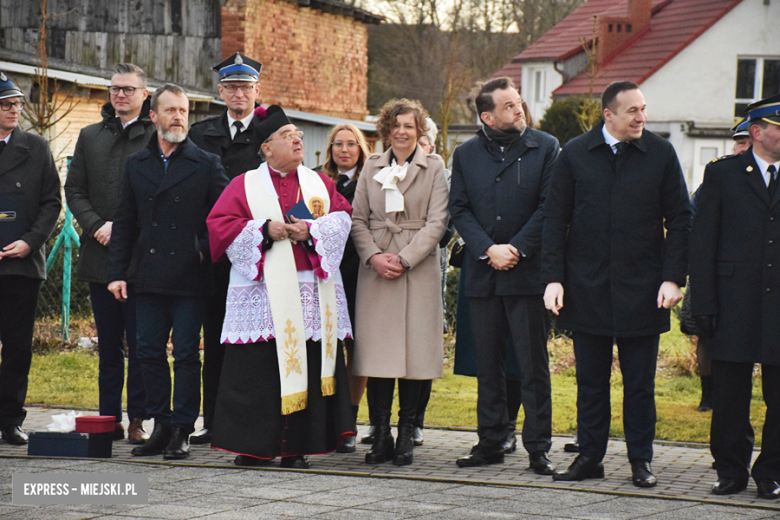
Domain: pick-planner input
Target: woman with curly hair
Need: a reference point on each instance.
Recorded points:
(400, 214)
(347, 152)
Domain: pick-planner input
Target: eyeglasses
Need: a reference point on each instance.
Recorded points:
(232, 89)
(8, 105)
(351, 145)
(289, 136)
(128, 91)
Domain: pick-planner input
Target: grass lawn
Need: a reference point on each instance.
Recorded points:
(69, 380)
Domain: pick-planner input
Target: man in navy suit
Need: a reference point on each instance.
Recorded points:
(499, 182)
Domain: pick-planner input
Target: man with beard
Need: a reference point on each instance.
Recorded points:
(92, 190)
(167, 191)
(499, 182)
(236, 137)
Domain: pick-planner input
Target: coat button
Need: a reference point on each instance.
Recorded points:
(18, 184)
(154, 224)
(173, 226)
(770, 242)
(768, 289)
(151, 197)
(498, 217)
(769, 265)
(177, 199)
(152, 250)
(498, 179)
(771, 219)
(173, 252)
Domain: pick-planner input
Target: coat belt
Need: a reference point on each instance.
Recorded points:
(389, 225)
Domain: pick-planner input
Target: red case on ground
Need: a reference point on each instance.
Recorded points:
(95, 424)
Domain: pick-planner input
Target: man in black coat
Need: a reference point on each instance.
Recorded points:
(612, 192)
(29, 206)
(499, 182)
(235, 137)
(92, 190)
(168, 190)
(736, 303)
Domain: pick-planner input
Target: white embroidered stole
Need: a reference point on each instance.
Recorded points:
(281, 282)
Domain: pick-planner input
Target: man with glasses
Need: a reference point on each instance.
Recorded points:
(234, 137)
(29, 206)
(92, 193)
(285, 392)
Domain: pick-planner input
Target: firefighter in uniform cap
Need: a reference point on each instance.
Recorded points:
(734, 269)
(235, 138)
(29, 206)
(741, 136)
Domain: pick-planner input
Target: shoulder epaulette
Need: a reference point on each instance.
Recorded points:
(731, 156)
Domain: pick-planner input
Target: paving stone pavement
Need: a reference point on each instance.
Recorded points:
(342, 486)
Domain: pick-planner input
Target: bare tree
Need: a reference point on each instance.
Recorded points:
(43, 111)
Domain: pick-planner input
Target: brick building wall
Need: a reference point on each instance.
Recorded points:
(313, 61)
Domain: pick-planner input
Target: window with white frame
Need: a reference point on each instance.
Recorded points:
(539, 85)
(757, 78)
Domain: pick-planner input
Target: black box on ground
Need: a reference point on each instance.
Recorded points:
(58, 444)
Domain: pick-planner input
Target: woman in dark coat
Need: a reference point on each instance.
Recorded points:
(344, 158)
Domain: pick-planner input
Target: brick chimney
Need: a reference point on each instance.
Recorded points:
(617, 29)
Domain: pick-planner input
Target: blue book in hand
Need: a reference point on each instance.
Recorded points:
(299, 211)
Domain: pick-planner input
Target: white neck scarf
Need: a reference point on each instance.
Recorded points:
(388, 177)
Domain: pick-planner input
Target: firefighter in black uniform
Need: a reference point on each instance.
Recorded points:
(234, 136)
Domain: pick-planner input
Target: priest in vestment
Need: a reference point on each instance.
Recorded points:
(283, 389)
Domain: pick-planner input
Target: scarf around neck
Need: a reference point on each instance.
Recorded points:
(502, 137)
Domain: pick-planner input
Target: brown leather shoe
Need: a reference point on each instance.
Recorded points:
(135, 432)
(119, 432)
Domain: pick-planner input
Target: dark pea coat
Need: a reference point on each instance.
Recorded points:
(496, 198)
(29, 185)
(164, 210)
(238, 156)
(735, 257)
(95, 180)
(604, 237)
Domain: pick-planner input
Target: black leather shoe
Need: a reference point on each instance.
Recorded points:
(573, 446)
(297, 462)
(419, 437)
(158, 440)
(179, 446)
(246, 460)
(368, 438)
(15, 435)
(541, 463)
(346, 445)
(768, 489)
(642, 474)
(728, 486)
(481, 456)
(580, 469)
(201, 437)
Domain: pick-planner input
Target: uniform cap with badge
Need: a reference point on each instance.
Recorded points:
(8, 88)
(767, 109)
(238, 68)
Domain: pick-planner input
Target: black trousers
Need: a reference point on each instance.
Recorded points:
(115, 323)
(731, 435)
(213, 349)
(638, 358)
(493, 319)
(18, 303)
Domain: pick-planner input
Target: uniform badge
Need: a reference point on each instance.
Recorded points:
(3, 77)
(749, 168)
(7, 216)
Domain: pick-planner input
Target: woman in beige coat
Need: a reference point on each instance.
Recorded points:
(399, 216)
